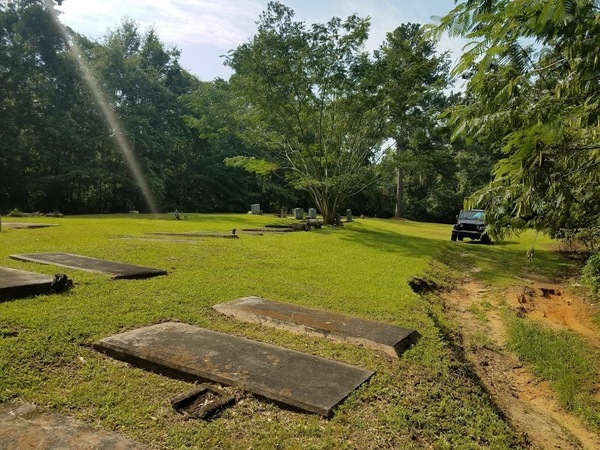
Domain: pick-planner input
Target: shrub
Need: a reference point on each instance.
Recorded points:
(15, 213)
(591, 272)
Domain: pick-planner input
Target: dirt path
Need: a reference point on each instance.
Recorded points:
(528, 403)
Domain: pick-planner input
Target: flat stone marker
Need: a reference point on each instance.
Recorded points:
(297, 380)
(25, 426)
(70, 261)
(19, 283)
(28, 225)
(390, 339)
(198, 234)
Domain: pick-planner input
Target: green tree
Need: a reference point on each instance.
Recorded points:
(142, 81)
(534, 96)
(45, 113)
(412, 78)
(310, 100)
(207, 181)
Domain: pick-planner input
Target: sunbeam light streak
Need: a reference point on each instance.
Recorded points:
(110, 117)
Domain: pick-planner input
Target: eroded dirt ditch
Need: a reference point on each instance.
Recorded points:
(528, 402)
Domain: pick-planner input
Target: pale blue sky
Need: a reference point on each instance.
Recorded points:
(206, 29)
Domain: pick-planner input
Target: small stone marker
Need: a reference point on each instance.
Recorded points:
(70, 261)
(296, 380)
(25, 426)
(299, 213)
(349, 217)
(19, 283)
(390, 339)
(284, 211)
(312, 213)
(255, 208)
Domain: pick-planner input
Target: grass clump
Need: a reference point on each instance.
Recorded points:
(563, 358)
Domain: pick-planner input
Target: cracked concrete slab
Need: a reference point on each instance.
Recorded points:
(391, 339)
(296, 380)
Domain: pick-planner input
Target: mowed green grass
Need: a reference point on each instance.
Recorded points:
(428, 398)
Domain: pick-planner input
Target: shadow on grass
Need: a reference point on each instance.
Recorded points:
(495, 263)
(394, 242)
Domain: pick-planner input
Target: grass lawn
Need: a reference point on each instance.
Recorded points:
(428, 398)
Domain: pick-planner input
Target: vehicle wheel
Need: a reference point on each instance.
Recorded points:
(460, 237)
(453, 237)
(485, 239)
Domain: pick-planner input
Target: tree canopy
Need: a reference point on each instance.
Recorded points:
(309, 112)
(533, 95)
(310, 102)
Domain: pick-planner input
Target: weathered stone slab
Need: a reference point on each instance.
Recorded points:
(70, 261)
(25, 426)
(28, 225)
(390, 339)
(296, 380)
(19, 283)
(268, 230)
(199, 234)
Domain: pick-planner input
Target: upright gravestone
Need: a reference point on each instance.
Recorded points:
(284, 211)
(349, 215)
(299, 213)
(312, 213)
(255, 208)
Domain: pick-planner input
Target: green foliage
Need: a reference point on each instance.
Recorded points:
(412, 77)
(309, 101)
(253, 165)
(564, 359)
(591, 272)
(15, 213)
(532, 96)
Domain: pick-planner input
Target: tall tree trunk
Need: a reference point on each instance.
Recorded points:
(399, 185)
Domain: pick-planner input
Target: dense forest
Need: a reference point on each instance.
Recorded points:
(309, 118)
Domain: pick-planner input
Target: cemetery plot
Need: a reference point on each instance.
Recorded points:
(78, 262)
(25, 426)
(19, 283)
(230, 235)
(294, 379)
(390, 339)
(29, 226)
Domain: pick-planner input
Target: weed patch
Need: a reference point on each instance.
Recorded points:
(563, 358)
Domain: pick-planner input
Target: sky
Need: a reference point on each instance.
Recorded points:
(205, 30)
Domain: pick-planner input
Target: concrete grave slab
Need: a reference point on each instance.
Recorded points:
(268, 230)
(390, 339)
(19, 283)
(70, 261)
(229, 235)
(296, 380)
(25, 426)
(28, 225)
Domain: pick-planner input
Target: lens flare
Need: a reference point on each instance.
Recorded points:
(109, 116)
